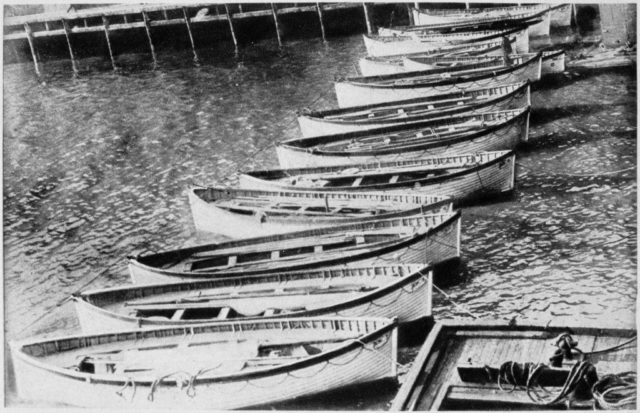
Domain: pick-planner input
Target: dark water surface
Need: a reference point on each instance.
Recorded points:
(97, 167)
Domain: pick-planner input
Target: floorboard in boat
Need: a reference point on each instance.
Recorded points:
(496, 347)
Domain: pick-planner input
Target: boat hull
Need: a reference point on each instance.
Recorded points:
(494, 177)
(423, 17)
(190, 390)
(506, 137)
(391, 64)
(390, 46)
(561, 15)
(407, 298)
(437, 245)
(209, 218)
(351, 94)
(552, 62)
(433, 383)
(313, 127)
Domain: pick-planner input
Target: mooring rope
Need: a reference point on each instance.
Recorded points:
(448, 297)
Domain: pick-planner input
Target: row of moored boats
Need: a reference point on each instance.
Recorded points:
(330, 253)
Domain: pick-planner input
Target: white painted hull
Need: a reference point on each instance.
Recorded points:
(209, 218)
(497, 177)
(390, 46)
(377, 67)
(561, 16)
(313, 127)
(551, 63)
(507, 137)
(42, 382)
(409, 302)
(421, 251)
(350, 94)
(425, 17)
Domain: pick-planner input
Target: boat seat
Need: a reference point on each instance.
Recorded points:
(224, 313)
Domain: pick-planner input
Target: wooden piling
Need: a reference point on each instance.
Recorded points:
(32, 46)
(147, 27)
(105, 24)
(275, 20)
(367, 18)
(67, 34)
(187, 21)
(411, 21)
(319, 8)
(233, 32)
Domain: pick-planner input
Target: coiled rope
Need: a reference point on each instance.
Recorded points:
(616, 391)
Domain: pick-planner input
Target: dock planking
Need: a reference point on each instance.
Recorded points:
(434, 382)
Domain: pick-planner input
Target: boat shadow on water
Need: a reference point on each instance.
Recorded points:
(571, 75)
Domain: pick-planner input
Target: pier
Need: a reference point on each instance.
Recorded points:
(109, 30)
(71, 25)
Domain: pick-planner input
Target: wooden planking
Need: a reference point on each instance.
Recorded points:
(443, 373)
(122, 11)
(492, 394)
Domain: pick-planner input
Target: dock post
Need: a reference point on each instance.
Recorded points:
(32, 46)
(105, 24)
(411, 21)
(67, 34)
(145, 17)
(367, 19)
(275, 20)
(233, 32)
(319, 8)
(193, 44)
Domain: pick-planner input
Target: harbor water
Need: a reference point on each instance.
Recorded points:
(97, 167)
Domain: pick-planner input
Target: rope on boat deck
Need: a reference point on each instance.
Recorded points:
(613, 391)
(616, 391)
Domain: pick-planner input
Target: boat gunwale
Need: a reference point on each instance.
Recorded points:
(443, 328)
(371, 81)
(337, 220)
(379, 292)
(480, 48)
(472, 24)
(429, 180)
(426, 198)
(432, 143)
(484, 35)
(320, 114)
(407, 240)
(350, 344)
(394, 124)
(520, 17)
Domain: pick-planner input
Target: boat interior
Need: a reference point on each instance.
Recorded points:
(483, 367)
(206, 351)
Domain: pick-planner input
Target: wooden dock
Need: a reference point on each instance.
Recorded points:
(124, 17)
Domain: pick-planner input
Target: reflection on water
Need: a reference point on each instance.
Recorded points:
(97, 168)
